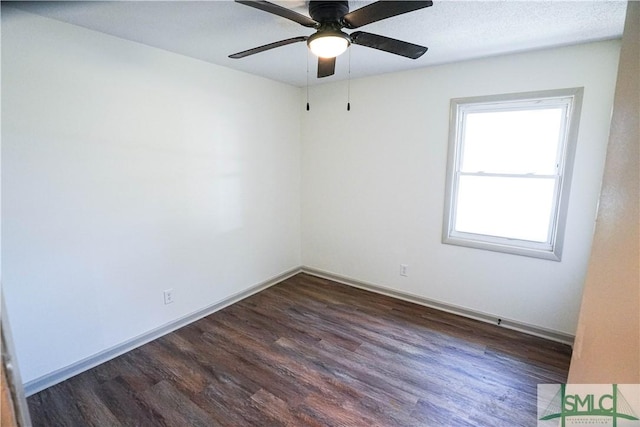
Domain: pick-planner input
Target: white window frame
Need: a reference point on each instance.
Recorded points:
(571, 100)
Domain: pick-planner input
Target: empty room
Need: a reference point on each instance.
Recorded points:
(312, 213)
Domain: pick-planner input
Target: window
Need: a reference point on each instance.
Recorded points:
(509, 170)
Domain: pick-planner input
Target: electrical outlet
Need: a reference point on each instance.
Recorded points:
(404, 270)
(168, 296)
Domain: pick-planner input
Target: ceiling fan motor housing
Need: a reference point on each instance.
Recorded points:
(328, 11)
(329, 15)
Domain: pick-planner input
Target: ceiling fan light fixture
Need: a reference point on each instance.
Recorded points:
(328, 45)
(329, 17)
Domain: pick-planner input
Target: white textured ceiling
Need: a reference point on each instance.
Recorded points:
(453, 31)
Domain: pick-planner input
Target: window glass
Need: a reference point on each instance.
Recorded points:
(515, 208)
(523, 141)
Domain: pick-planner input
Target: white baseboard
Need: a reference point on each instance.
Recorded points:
(549, 334)
(55, 377)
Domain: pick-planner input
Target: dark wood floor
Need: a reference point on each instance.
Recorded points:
(310, 352)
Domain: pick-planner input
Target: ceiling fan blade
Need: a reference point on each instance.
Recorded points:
(280, 11)
(267, 47)
(388, 44)
(381, 10)
(326, 67)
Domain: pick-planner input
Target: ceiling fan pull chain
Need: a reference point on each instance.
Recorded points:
(349, 84)
(307, 80)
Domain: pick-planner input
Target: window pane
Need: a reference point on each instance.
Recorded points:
(514, 208)
(521, 142)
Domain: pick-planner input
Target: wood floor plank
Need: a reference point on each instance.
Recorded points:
(128, 407)
(311, 352)
(176, 408)
(92, 410)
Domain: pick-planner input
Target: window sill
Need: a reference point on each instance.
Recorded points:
(552, 254)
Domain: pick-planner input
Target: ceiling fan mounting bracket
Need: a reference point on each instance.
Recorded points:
(328, 11)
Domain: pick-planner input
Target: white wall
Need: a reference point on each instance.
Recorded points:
(128, 170)
(373, 184)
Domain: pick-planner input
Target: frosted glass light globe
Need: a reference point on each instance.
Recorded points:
(328, 46)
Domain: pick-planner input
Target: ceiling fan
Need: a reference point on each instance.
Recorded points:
(328, 18)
